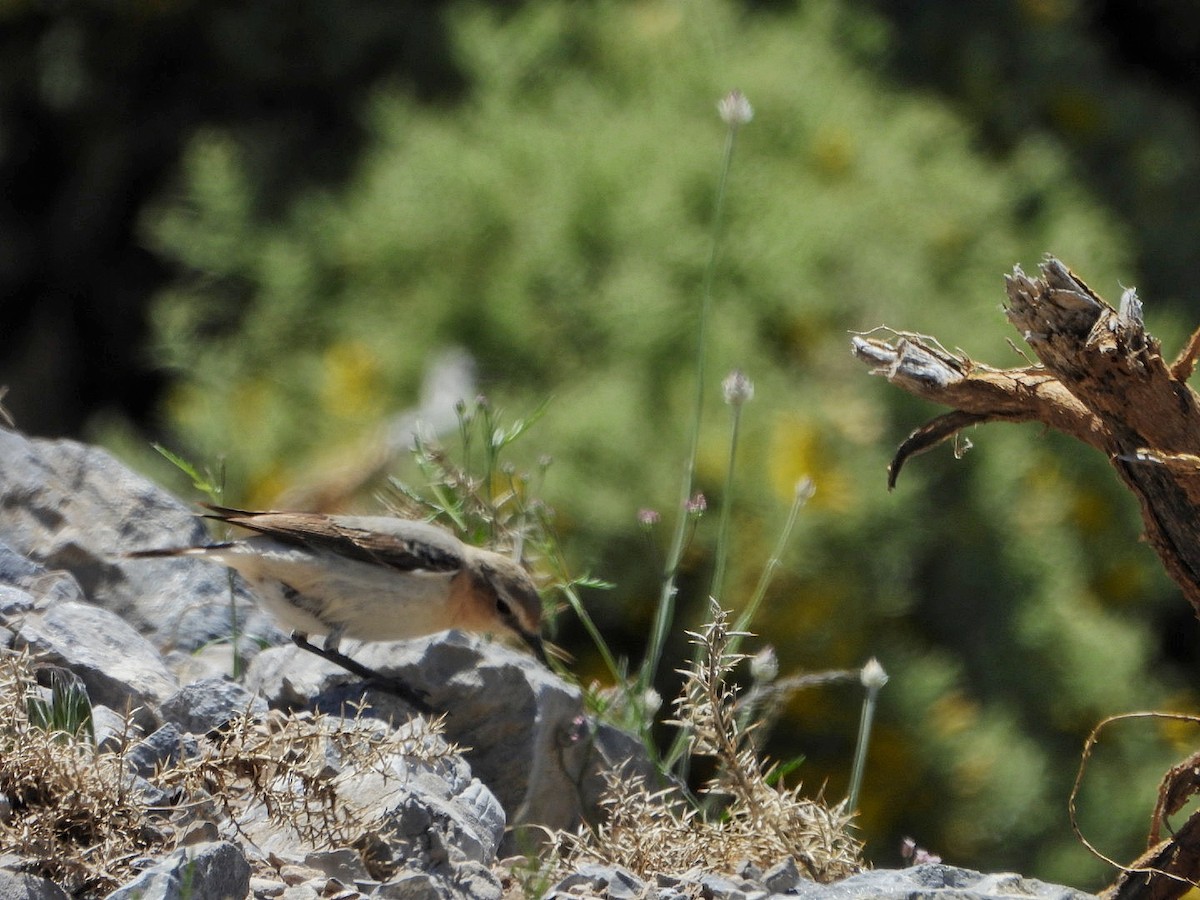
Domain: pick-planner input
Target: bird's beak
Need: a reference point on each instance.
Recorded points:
(534, 642)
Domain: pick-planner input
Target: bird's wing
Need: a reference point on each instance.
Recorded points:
(406, 553)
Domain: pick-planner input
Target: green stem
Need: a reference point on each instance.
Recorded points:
(718, 581)
(804, 491)
(665, 612)
(576, 604)
(873, 678)
(860, 753)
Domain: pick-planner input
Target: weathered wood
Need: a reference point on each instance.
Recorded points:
(1164, 872)
(1101, 379)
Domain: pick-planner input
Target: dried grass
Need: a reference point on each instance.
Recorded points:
(78, 817)
(296, 770)
(74, 814)
(745, 817)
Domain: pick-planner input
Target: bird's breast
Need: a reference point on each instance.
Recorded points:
(368, 602)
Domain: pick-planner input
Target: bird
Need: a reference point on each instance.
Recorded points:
(371, 578)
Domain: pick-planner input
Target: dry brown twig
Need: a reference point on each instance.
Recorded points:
(1168, 869)
(1101, 379)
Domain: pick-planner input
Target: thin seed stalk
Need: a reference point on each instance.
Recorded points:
(873, 678)
(665, 612)
(799, 499)
(718, 581)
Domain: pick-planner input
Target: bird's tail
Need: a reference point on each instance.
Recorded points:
(175, 551)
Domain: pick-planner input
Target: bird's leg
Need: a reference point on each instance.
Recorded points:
(334, 639)
(391, 685)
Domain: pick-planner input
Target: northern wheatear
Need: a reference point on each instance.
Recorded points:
(372, 578)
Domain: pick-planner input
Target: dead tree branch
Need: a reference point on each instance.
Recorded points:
(1102, 379)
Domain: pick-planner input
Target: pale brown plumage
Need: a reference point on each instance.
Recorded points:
(373, 578)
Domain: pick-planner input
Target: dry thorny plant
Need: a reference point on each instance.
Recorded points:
(71, 809)
(756, 818)
(296, 768)
(78, 816)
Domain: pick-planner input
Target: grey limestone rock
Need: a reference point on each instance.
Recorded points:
(593, 879)
(166, 745)
(410, 804)
(471, 881)
(932, 881)
(39, 583)
(74, 508)
(924, 882)
(534, 748)
(211, 871)
(781, 877)
(111, 728)
(210, 703)
(14, 601)
(410, 885)
(304, 891)
(344, 864)
(22, 886)
(476, 881)
(119, 667)
(264, 888)
(714, 885)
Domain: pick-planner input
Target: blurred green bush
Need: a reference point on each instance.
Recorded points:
(557, 223)
(1114, 83)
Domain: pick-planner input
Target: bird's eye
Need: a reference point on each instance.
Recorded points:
(503, 608)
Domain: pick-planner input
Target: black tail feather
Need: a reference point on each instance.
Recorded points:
(172, 551)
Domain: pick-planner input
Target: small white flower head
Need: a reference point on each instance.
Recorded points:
(738, 388)
(652, 701)
(697, 505)
(578, 730)
(805, 490)
(735, 109)
(872, 675)
(648, 518)
(764, 665)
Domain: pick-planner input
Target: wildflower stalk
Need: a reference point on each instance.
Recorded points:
(552, 552)
(802, 494)
(735, 111)
(491, 456)
(738, 391)
(465, 421)
(873, 678)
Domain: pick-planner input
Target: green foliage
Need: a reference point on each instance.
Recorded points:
(1105, 81)
(557, 224)
(212, 486)
(207, 483)
(67, 712)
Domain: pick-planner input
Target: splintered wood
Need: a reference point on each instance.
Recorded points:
(1101, 379)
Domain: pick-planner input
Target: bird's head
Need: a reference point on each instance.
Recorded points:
(515, 606)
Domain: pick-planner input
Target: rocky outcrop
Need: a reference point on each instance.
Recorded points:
(301, 781)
